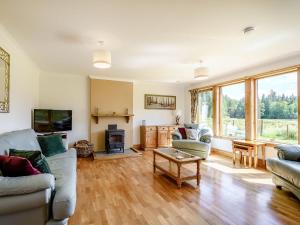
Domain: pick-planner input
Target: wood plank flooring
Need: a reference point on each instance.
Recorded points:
(125, 191)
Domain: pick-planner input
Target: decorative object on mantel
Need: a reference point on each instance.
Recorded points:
(126, 115)
(160, 102)
(4, 81)
(84, 149)
(177, 116)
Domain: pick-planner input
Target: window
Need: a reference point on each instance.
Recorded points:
(205, 108)
(233, 110)
(277, 113)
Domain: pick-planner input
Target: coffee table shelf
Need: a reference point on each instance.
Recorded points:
(174, 166)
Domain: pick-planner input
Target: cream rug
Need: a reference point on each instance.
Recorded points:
(132, 152)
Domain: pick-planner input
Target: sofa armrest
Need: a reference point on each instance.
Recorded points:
(288, 152)
(24, 185)
(176, 135)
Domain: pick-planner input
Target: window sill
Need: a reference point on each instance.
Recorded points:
(267, 142)
(229, 138)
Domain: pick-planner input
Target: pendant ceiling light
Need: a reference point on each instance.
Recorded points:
(201, 73)
(102, 58)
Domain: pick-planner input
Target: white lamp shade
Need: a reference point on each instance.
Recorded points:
(201, 72)
(102, 59)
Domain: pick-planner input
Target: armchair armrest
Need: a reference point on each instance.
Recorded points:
(25, 185)
(176, 135)
(288, 152)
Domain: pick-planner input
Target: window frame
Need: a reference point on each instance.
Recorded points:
(250, 102)
(210, 89)
(275, 74)
(221, 135)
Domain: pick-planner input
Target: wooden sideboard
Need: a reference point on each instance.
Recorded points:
(156, 136)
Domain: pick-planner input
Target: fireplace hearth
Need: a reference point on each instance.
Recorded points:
(114, 138)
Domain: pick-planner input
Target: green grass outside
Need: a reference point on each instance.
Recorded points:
(275, 130)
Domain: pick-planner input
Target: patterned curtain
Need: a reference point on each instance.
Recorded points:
(194, 105)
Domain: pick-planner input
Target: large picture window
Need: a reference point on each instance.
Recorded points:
(205, 108)
(277, 111)
(233, 110)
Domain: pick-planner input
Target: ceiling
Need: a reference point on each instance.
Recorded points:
(153, 40)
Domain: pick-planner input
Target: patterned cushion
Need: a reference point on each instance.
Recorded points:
(205, 138)
(13, 166)
(192, 134)
(204, 131)
(36, 158)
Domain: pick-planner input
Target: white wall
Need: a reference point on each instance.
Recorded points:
(152, 116)
(223, 144)
(66, 91)
(24, 85)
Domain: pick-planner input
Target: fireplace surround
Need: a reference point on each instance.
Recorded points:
(114, 138)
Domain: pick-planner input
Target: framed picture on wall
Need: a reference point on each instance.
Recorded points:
(160, 102)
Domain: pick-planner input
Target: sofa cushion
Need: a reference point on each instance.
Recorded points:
(192, 134)
(13, 166)
(191, 144)
(205, 138)
(20, 139)
(36, 158)
(182, 132)
(63, 167)
(191, 125)
(288, 152)
(288, 170)
(51, 144)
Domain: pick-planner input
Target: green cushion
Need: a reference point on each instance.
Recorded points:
(36, 158)
(51, 144)
(205, 138)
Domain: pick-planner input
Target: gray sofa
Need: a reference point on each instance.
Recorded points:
(194, 147)
(286, 169)
(41, 199)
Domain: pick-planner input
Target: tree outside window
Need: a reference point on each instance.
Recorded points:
(233, 110)
(277, 109)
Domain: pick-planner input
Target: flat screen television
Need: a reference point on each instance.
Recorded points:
(47, 120)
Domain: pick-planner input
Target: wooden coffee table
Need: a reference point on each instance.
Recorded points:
(173, 166)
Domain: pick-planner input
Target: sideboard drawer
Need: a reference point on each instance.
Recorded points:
(162, 128)
(172, 128)
(151, 128)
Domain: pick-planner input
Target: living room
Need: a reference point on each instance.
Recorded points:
(183, 90)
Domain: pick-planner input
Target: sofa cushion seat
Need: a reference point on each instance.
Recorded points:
(63, 167)
(289, 170)
(190, 144)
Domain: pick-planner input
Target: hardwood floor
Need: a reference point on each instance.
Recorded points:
(125, 191)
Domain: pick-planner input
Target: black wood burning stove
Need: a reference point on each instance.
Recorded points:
(114, 138)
